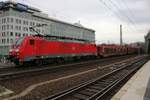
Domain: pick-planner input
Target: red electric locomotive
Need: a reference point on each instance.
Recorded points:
(48, 48)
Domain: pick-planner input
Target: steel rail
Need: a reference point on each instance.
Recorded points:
(16, 74)
(97, 88)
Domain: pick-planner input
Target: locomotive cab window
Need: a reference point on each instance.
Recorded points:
(18, 41)
(31, 41)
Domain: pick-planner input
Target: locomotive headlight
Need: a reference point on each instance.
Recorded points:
(10, 50)
(17, 50)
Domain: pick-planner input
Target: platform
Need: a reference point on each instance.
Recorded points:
(4, 92)
(138, 87)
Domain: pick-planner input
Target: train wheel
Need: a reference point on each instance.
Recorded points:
(59, 60)
(39, 62)
(16, 63)
(20, 63)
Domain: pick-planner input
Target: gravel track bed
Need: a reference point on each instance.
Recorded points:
(54, 87)
(10, 69)
(6, 65)
(18, 85)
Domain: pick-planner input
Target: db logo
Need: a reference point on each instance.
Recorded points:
(73, 48)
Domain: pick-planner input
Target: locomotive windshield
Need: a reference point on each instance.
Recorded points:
(18, 41)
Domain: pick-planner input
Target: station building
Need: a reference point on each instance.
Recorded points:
(17, 18)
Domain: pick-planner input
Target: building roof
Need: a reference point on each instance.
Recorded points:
(36, 12)
(17, 6)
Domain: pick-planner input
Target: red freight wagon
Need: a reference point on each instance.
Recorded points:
(111, 50)
(106, 50)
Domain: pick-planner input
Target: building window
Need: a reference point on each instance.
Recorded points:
(8, 20)
(8, 40)
(3, 34)
(31, 24)
(12, 19)
(31, 30)
(7, 33)
(19, 27)
(7, 27)
(16, 34)
(37, 24)
(24, 34)
(25, 22)
(4, 20)
(11, 40)
(11, 33)
(25, 29)
(3, 41)
(19, 34)
(17, 21)
(12, 27)
(16, 27)
(4, 27)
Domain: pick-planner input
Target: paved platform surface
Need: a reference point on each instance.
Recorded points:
(4, 92)
(138, 87)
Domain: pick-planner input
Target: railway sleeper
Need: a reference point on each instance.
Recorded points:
(102, 86)
(95, 87)
(102, 82)
(107, 81)
(88, 93)
(99, 85)
(92, 90)
(80, 96)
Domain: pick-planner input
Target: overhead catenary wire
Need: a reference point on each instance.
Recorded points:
(110, 7)
(132, 22)
(117, 7)
(130, 11)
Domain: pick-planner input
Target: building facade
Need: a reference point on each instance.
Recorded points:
(16, 19)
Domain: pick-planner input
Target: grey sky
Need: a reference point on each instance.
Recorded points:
(134, 15)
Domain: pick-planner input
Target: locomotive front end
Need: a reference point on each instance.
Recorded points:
(14, 52)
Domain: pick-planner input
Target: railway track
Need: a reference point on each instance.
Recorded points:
(10, 73)
(6, 65)
(96, 89)
(6, 69)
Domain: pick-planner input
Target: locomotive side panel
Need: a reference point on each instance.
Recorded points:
(66, 49)
(38, 48)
